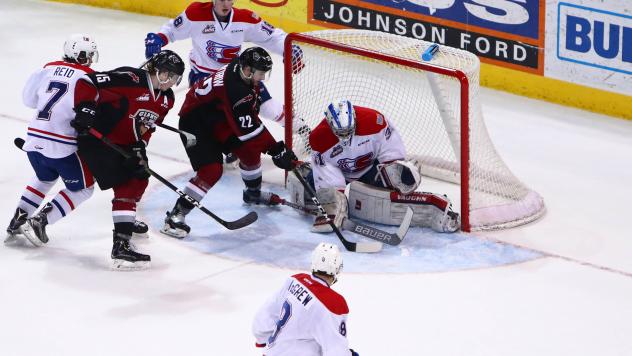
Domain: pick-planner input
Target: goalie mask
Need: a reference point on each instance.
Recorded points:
(402, 176)
(342, 119)
(81, 49)
(327, 259)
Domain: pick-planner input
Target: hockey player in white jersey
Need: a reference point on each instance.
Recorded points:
(358, 145)
(306, 317)
(218, 31)
(51, 142)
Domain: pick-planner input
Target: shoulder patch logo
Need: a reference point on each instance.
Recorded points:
(387, 132)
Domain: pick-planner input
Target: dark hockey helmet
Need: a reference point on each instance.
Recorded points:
(166, 60)
(257, 58)
(169, 62)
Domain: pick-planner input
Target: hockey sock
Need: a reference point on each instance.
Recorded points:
(251, 175)
(123, 230)
(124, 212)
(253, 184)
(34, 194)
(66, 201)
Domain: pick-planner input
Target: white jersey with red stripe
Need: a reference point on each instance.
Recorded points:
(335, 164)
(305, 317)
(216, 43)
(51, 92)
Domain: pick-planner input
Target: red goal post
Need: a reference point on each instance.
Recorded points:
(434, 106)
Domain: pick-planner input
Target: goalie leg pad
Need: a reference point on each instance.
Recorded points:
(335, 204)
(384, 206)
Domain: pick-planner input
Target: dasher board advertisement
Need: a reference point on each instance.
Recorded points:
(590, 43)
(508, 33)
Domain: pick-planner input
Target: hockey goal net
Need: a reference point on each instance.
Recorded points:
(434, 105)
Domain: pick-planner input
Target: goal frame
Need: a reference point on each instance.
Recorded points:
(459, 75)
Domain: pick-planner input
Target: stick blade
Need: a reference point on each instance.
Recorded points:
(18, 142)
(241, 222)
(368, 247)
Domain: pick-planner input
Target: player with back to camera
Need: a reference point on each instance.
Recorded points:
(306, 317)
(358, 145)
(51, 142)
(218, 31)
(124, 105)
(222, 112)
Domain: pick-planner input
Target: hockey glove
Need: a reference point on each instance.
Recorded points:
(282, 156)
(153, 44)
(86, 113)
(137, 160)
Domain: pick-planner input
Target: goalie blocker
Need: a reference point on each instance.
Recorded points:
(385, 206)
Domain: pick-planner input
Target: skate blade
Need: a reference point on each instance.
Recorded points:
(27, 231)
(12, 237)
(177, 233)
(143, 235)
(122, 265)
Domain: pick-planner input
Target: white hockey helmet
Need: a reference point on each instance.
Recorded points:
(342, 120)
(326, 258)
(81, 48)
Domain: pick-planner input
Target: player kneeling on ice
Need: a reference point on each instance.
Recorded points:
(306, 317)
(222, 111)
(125, 105)
(51, 143)
(358, 145)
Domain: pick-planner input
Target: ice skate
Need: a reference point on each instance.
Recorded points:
(13, 231)
(124, 257)
(140, 230)
(35, 228)
(258, 197)
(175, 226)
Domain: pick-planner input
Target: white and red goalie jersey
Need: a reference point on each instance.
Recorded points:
(335, 164)
(216, 43)
(305, 317)
(51, 91)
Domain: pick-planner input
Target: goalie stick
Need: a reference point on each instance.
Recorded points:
(230, 225)
(366, 247)
(359, 228)
(380, 235)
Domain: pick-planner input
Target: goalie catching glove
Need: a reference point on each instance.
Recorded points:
(402, 176)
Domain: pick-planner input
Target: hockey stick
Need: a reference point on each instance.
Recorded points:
(190, 138)
(295, 206)
(230, 225)
(368, 247)
(360, 228)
